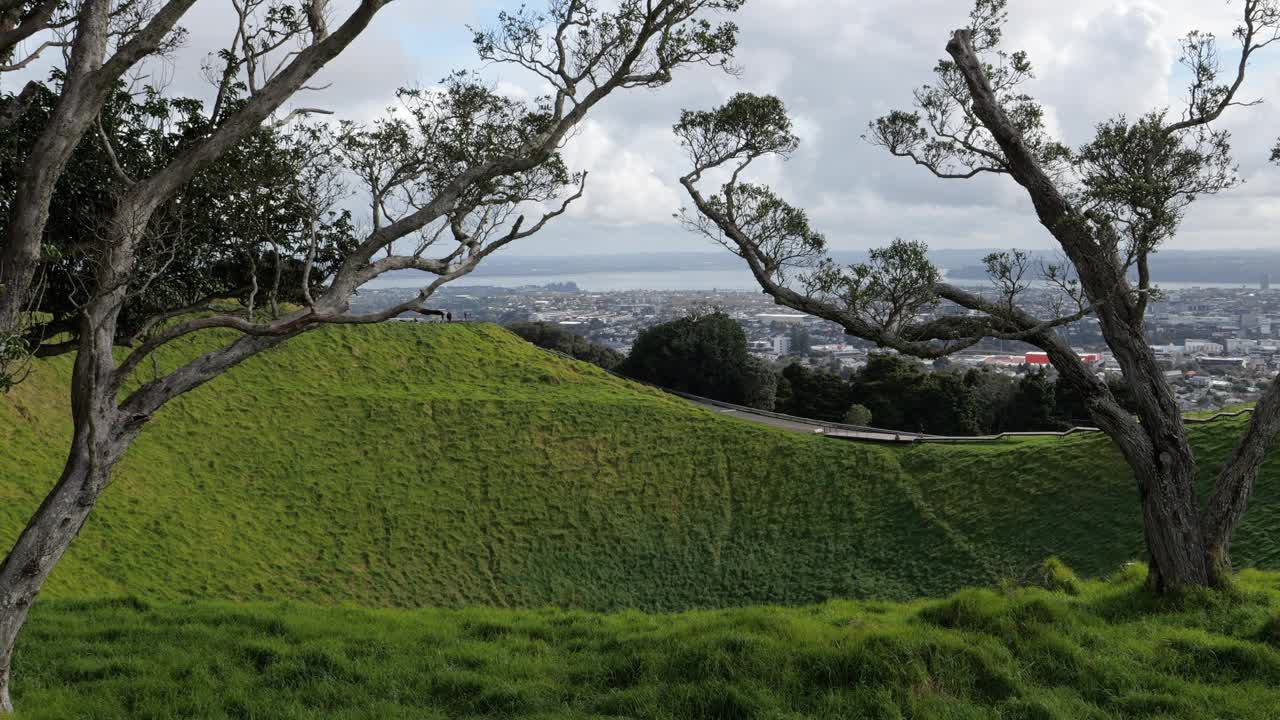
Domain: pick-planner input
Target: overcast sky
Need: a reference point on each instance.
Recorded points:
(837, 64)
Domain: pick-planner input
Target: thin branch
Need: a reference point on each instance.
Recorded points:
(35, 55)
(107, 145)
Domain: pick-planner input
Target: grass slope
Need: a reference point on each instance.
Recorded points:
(454, 465)
(1098, 650)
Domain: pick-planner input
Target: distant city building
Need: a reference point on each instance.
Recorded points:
(1241, 345)
(1207, 347)
(782, 344)
(1168, 352)
(1221, 362)
(781, 317)
(1251, 323)
(838, 349)
(1042, 358)
(1264, 282)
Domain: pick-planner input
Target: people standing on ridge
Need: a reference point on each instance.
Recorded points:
(448, 317)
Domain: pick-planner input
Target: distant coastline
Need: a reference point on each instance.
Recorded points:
(723, 271)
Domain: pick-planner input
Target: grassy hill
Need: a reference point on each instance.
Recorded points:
(455, 465)
(1088, 651)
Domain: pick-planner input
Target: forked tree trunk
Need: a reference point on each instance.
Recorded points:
(1171, 526)
(95, 449)
(1171, 515)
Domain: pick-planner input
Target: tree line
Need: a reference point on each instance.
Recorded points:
(706, 354)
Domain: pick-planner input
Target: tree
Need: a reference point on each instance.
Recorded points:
(944, 405)
(1072, 409)
(901, 396)
(858, 415)
(801, 340)
(698, 354)
(104, 40)
(886, 385)
(451, 173)
(814, 394)
(1108, 204)
(994, 393)
(556, 338)
(1033, 406)
(760, 384)
(229, 235)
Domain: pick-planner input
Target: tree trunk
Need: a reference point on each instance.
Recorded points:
(1172, 529)
(1171, 517)
(77, 106)
(95, 449)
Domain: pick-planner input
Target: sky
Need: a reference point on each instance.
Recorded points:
(838, 64)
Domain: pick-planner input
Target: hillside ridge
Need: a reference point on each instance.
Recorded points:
(411, 465)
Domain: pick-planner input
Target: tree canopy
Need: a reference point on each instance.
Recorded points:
(700, 354)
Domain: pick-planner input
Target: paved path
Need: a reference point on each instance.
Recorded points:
(799, 424)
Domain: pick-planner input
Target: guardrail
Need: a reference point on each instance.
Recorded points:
(1218, 416)
(841, 431)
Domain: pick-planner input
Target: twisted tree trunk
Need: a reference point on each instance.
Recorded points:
(1171, 524)
(99, 441)
(1166, 476)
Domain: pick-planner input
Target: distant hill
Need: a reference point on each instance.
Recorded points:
(1246, 267)
(413, 465)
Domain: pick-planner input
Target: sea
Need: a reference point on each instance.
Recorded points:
(661, 280)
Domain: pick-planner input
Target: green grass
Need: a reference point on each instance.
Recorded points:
(413, 465)
(1104, 651)
(458, 468)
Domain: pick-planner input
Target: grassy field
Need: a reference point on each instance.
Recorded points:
(278, 532)
(450, 466)
(1087, 650)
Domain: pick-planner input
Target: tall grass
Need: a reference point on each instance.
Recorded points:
(1102, 650)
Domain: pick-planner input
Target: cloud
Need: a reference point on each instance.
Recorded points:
(838, 64)
(625, 186)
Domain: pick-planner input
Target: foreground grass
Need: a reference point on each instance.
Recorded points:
(456, 465)
(1086, 650)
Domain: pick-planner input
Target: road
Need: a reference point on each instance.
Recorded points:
(797, 424)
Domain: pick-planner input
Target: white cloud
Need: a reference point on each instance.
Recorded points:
(625, 186)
